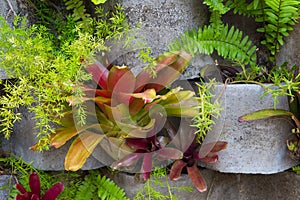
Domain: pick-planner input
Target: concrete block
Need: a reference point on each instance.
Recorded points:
(257, 147)
(6, 183)
(24, 137)
(160, 22)
(290, 51)
(279, 186)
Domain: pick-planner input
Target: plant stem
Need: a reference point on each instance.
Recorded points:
(11, 9)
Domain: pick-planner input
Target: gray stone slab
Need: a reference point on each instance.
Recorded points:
(24, 137)
(253, 147)
(160, 22)
(290, 51)
(6, 183)
(221, 186)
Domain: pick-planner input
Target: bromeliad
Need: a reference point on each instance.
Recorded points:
(126, 107)
(35, 190)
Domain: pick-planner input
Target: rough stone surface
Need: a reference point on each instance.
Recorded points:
(24, 137)
(6, 182)
(279, 186)
(160, 22)
(290, 51)
(253, 147)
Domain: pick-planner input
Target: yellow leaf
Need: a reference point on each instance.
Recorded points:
(81, 149)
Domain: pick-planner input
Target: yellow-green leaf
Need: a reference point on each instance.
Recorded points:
(81, 149)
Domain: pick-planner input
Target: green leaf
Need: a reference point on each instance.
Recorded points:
(97, 2)
(263, 114)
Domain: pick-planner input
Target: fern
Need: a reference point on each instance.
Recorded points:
(230, 44)
(280, 17)
(250, 9)
(79, 14)
(216, 5)
(107, 189)
(87, 189)
(277, 17)
(296, 169)
(99, 187)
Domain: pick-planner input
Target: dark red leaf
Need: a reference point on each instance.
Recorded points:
(176, 169)
(21, 197)
(127, 161)
(137, 143)
(147, 162)
(21, 189)
(34, 184)
(35, 197)
(54, 191)
(168, 153)
(147, 165)
(197, 178)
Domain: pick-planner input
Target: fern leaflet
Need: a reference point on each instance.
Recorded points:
(229, 44)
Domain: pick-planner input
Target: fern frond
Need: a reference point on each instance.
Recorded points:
(79, 15)
(296, 169)
(216, 22)
(108, 190)
(242, 7)
(88, 188)
(229, 44)
(216, 5)
(280, 17)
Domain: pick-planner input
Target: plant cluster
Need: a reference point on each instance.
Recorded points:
(77, 186)
(44, 64)
(275, 17)
(159, 179)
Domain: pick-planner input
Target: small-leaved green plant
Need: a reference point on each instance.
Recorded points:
(43, 66)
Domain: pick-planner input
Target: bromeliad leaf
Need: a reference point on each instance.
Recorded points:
(63, 135)
(266, 113)
(263, 114)
(99, 74)
(168, 153)
(81, 149)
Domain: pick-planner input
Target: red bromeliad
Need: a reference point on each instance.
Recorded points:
(35, 190)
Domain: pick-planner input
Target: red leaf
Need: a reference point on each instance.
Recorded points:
(34, 183)
(127, 161)
(21, 197)
(123, 74)
(35, 197)
(170, 72)
(147, 166)
(99, 73)
(144, 77)
(137, 143)
(54, 191)
(219, 146)
(197, 178)
(212, 147)
(21, 189)
(210, 158)
(169, 153)
(176, 169)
